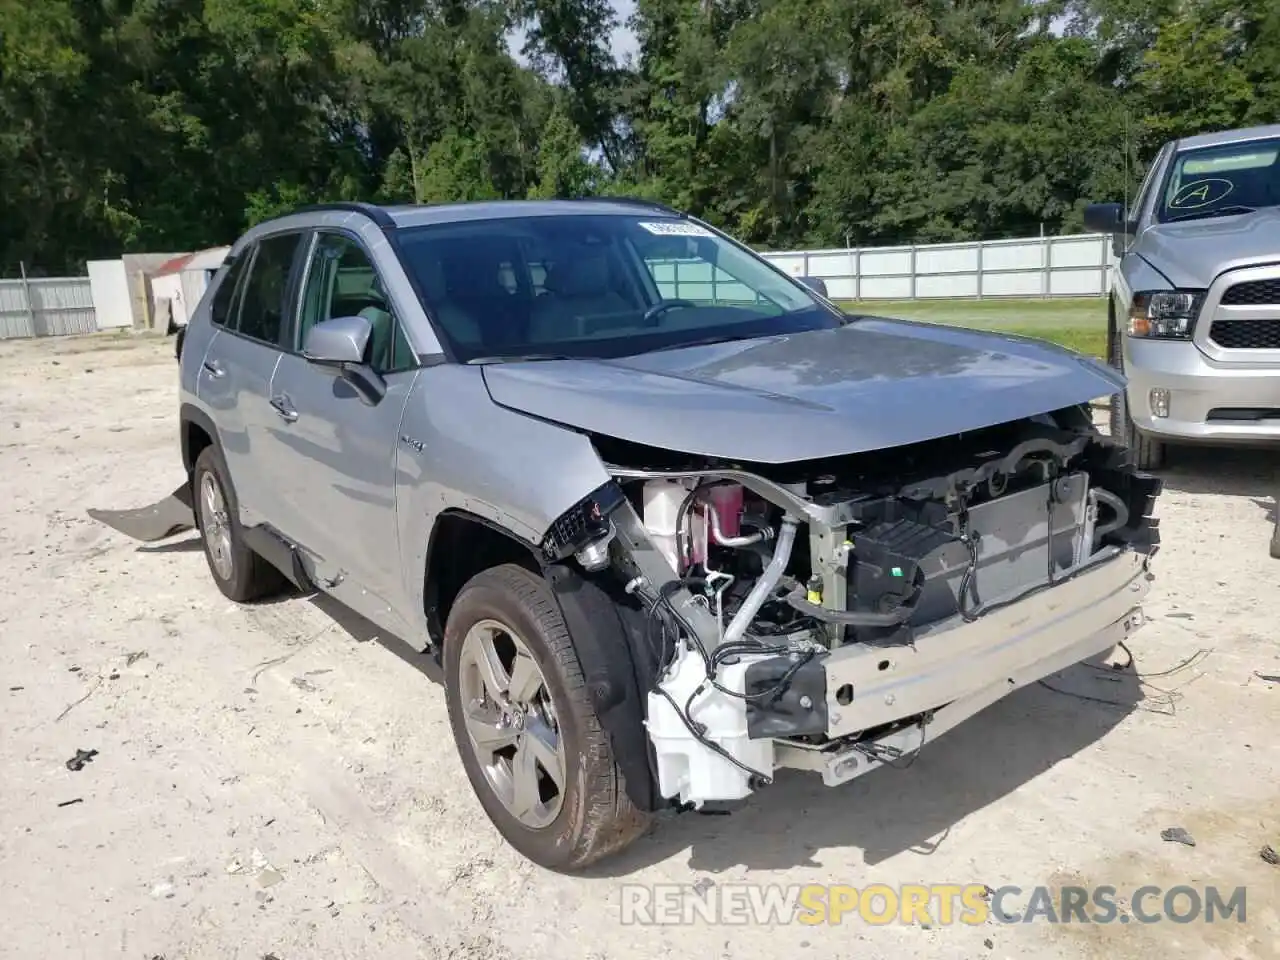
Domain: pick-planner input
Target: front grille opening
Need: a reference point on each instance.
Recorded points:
(1255, 293)
(1246, 334)
(1243, 414)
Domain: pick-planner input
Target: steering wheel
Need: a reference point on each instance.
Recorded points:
(658, 309)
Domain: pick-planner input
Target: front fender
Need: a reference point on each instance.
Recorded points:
(1136, 274)
(461, 451)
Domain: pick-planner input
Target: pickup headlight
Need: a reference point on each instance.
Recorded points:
(1165, 314)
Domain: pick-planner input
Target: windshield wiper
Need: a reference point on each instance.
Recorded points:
(1216, 212)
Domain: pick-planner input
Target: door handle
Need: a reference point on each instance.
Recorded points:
(215, 369)
(283, 407)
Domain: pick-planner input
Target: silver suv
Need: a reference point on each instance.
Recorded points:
(669, 519)
(1194, 314)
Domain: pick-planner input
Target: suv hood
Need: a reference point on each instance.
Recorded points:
(1192, 253)
(866, 386)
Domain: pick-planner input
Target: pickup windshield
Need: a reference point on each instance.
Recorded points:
(598, 286)
(1222, 180)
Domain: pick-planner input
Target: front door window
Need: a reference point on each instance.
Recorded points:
(343, 282)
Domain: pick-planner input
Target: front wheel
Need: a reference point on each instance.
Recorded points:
(1147, 452)
(240, 573)
(528, 736)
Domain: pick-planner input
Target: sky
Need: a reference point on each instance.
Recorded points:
(624, 41)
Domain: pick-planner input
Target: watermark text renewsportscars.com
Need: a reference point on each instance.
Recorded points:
(941, 904)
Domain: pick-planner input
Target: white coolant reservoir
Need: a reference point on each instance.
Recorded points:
(662, 499)
(687, 768)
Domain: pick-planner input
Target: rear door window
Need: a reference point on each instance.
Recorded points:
(222, 308)
(265, 303)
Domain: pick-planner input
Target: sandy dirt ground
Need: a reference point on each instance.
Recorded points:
(276, 782)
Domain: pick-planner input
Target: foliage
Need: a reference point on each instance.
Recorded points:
(131, 125)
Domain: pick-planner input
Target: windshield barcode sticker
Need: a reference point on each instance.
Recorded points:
(675, 228)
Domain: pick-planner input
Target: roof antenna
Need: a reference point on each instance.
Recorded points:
(1127, 148)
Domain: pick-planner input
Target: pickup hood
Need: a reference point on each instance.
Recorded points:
(1191, 254)
(866, 386)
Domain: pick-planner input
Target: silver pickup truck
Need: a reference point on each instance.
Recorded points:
(1195, 301)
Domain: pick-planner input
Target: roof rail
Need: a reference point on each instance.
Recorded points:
(371, 210)
(636, 202)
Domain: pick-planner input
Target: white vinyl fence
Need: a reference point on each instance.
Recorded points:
(46, 307)
(1068, 266)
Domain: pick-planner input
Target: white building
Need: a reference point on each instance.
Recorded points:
(178, 285)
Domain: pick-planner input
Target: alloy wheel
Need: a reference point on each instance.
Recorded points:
(511, 723)
(217, 526)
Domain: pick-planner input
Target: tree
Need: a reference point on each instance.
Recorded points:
(563, 170)
(173, 124)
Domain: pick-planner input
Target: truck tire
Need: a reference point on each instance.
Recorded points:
(240, 574)
(529, 738)
(1146, 452)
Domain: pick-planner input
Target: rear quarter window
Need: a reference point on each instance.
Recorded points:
(225, 298)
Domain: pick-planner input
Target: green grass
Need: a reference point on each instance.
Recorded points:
(1080, 324)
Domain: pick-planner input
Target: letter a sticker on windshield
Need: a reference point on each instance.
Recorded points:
(1201, 193)
(675, 228)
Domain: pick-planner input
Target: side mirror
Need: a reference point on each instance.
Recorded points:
(1105, 218)
(338, 342)
(816, 284)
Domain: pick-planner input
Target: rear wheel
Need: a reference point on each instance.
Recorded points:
(529, 738)
(1147, 452)
(240, 573)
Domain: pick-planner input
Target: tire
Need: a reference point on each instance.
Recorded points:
(1146, 452)
(1275, 534)
(510, 612)
(247, 576)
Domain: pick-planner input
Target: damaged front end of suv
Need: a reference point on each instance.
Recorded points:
(835, 615)
(660, 547)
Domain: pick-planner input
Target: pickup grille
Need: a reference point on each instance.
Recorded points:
(1255, 293)
(1246, 334)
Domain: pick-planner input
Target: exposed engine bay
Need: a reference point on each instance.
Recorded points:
(769, 590)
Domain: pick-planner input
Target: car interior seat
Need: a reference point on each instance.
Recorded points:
(578, 290)
(474, 278)
(457, 322)
(381, 328)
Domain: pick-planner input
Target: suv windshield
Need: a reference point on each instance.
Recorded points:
(1216, 181)
(598, 286)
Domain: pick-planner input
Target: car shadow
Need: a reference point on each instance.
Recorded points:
(913, 808)
(362, 630)
(358, 628)
(1224, 471)
(190, 545)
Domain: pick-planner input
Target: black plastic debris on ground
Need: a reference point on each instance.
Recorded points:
(67, 803)
(1177, 835)
(1269, 855)
(80, 759)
